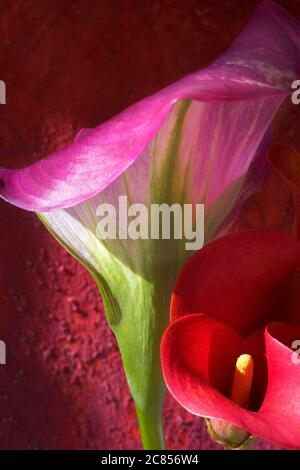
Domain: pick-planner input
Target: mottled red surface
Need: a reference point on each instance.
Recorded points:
(67, 65)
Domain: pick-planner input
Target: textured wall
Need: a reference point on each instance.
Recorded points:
(70, 64)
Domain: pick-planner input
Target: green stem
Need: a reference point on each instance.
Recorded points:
(151, 429)
(144, 318)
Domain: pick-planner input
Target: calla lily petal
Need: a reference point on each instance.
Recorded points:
(195, 177)
(249, 71)
(260, 262)
(283, 391)
(199, 384)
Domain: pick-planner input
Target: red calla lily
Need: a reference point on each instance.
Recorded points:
(240, 295)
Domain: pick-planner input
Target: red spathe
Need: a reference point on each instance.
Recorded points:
(234, 297)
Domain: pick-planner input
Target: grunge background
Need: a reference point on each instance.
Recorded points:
(70, 64)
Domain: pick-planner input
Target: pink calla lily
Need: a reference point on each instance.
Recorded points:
(200, 140)
(249, 81)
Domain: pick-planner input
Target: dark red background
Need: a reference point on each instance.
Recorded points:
(70, 64)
